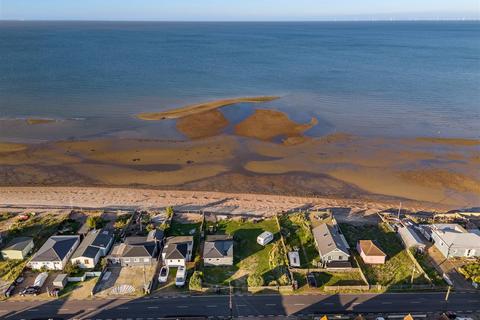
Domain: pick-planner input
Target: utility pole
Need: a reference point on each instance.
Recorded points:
(231, 301)
(413, 273)
(448, 293)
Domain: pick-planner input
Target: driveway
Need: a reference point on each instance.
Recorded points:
(448, 267)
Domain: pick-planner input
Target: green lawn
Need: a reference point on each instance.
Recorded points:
(297, 233)
(11, 269)
(38, 227)
(398, 267)
(249, 256)
(183, 229)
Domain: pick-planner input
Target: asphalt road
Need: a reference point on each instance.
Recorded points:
(218, 306)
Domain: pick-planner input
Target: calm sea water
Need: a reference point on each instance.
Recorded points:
(370, 78)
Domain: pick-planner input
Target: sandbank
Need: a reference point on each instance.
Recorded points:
(34, 121)
(269, 124)
(200, 107)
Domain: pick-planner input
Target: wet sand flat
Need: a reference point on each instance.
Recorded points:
(341, 166)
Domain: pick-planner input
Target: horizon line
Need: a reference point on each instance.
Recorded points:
(223, 21)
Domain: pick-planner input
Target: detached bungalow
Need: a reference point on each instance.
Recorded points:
(18, 248)
(55, 253)
(96, 244)
(218, 250)
(454, 241)
(177, 251)
(332, 246)
(370, 253)
(135, 251)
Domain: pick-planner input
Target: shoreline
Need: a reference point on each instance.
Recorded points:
(243, 204)
(200, 108)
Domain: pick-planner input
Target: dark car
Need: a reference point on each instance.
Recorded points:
(19, 280)
(30, 291)
(9, 291)
(311, 280)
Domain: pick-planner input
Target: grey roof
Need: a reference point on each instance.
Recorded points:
(177, 247)
(176, 251)
(218, 247)
(135, 247)
(456, 236)
(19, 243)
(93, 242)
(328, 239)
(55, 248)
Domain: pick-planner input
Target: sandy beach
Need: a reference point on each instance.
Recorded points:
(183, 201)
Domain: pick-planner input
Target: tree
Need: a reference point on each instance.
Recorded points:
(195, 282)
(71, 268)
(103, 263)
(150, 227)
(255, 280)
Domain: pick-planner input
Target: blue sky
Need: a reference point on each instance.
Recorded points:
(237, 9)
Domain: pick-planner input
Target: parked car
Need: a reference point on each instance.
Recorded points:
(19, 280)
(180, 277)
(9, 291)
(312, 282)
(33, 290)
(163, 275)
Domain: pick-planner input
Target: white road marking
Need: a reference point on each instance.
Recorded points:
(122, 308)
(299, 304)
(152, 307)
(32, 310)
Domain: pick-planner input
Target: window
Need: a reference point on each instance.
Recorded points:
(340, 258)
(136, 259)
(127, 259)
(146, 260)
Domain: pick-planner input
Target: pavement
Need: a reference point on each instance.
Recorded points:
(217, 306)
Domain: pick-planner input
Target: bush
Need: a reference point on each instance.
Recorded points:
(169, 212)
(71, 269)
(195, 282)
(255, 280)
(95, 222)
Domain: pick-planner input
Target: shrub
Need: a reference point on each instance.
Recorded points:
(169, 212)
(71, 269)
(195, 282)
(95, 222)
(255, 280)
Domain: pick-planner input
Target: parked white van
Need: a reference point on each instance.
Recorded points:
(181, 276)
(265, 238)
